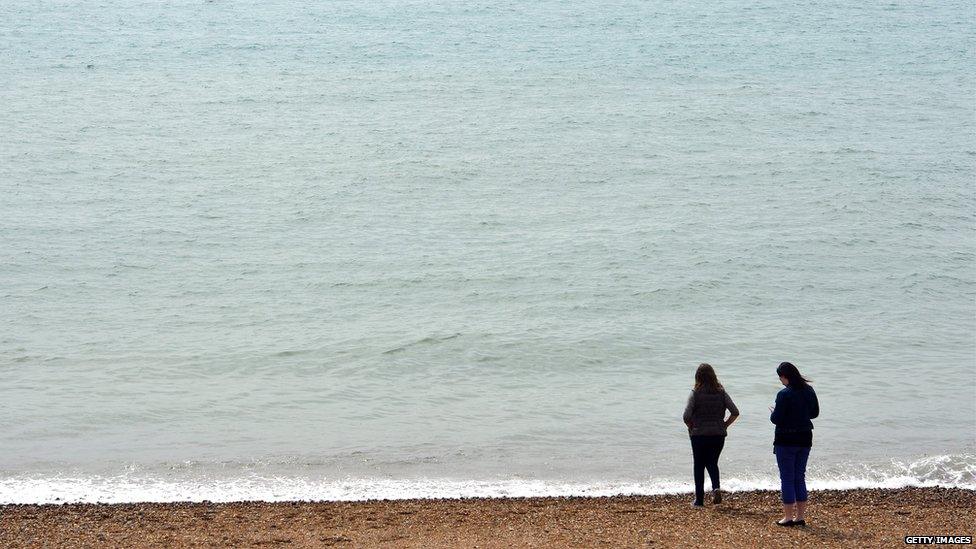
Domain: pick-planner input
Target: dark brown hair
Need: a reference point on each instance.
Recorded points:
(792, 375)
(706, 380)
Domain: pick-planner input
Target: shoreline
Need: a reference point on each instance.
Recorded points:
(872, 517)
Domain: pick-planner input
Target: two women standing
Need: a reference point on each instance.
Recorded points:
(796, 405)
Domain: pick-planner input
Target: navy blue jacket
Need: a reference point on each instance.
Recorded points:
(792, 414)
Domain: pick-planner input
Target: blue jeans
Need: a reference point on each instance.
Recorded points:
(792, 461)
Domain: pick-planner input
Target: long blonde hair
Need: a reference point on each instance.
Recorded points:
(706, 380)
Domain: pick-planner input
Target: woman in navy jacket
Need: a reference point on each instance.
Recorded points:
(796, 405)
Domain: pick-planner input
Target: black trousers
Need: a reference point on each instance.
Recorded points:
(706, 450)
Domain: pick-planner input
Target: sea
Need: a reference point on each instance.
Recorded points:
(350, 249)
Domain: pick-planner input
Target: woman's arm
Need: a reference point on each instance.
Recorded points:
(814, 404)
(688, 409)
(777, 414)
(733, 411)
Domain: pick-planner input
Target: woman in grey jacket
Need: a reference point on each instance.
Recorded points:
(707, 427)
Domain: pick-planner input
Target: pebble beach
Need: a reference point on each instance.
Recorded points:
(849, 518)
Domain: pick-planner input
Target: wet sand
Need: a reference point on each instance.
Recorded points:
(850, 518)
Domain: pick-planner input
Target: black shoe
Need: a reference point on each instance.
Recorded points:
(787, 524)
(716, 496)
(800, 522)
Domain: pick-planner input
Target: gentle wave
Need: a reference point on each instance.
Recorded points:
(951, 471)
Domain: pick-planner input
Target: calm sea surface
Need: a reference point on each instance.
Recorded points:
(350, 249)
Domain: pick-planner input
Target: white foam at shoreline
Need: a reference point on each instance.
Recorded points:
(953, 471)
(124, 489)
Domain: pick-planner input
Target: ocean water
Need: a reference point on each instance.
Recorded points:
(350, 249)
